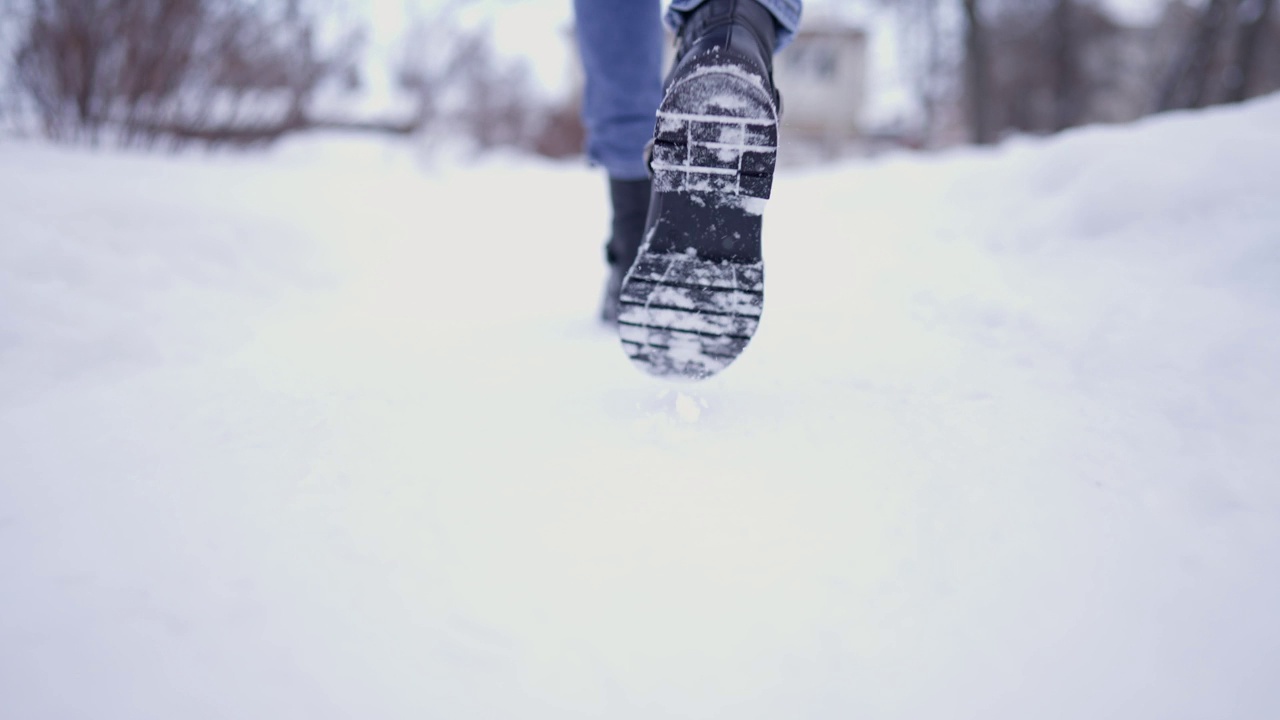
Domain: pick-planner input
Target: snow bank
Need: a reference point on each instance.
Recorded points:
(326, 435)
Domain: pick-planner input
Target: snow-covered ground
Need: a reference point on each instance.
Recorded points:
(331, 434)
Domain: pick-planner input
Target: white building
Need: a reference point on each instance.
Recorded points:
(822, 76)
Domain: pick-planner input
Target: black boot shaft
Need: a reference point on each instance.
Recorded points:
(743, 29)
(630, 202)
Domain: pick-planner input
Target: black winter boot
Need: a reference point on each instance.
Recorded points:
(630, 202)
(693, 299)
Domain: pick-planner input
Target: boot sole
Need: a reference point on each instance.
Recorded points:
(693, 299)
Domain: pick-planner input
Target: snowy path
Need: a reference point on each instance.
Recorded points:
(323, 435)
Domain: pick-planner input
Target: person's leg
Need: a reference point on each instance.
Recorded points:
(621, 46)
(620, 42)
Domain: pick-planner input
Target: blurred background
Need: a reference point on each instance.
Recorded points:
(479, 75)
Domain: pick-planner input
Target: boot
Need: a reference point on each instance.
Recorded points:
(693, 299)
(727, 33)
(717, 126)
(630, 202)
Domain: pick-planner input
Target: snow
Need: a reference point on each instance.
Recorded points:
(331, 433)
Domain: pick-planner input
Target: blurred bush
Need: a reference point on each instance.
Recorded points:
(247, 72)
(1041, 66)
(143, 71)
(463, 88)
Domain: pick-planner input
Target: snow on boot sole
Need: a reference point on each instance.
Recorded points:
(692, 301)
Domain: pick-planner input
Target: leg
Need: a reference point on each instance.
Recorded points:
(621, 46)
(620, 42)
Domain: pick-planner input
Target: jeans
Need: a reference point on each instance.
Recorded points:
(621, 46)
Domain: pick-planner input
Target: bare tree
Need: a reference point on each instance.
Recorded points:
(930, 56)
(210, 70)
(1189, 83)
(978, 74)
(464, 88)
(1043, 66)
(949, 67)
(1065, 49)
(11, 19)
(1255, 20)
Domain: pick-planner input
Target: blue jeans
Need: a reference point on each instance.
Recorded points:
(621, 46)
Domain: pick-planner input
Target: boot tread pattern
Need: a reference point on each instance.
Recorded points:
(680, 316)
(718, 133)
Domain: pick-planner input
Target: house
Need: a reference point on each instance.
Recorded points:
(822, 75)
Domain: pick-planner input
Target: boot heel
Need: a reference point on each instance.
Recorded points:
(716, 133)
